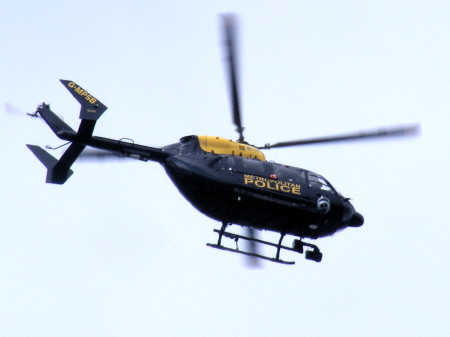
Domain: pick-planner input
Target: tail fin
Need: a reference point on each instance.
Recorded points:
(58, 171)
(91, 107)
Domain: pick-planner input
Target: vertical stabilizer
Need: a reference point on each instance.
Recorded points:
(91, 107)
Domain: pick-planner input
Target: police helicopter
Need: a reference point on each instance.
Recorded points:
(228, 181)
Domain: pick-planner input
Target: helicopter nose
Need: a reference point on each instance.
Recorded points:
(357, 220)
(351, 217)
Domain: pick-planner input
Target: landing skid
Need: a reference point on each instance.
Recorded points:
(298, 246)
(249, 254)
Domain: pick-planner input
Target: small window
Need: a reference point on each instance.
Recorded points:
(255, 166)
(289, 174)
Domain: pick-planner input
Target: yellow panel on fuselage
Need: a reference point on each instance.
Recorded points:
(219, 145)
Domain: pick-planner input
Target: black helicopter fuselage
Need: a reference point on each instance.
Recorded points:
(258, 194)
(228, 181)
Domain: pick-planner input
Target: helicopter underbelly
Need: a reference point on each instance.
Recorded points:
(227, 201)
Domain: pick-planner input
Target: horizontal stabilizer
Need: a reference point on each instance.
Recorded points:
(91, 107)
(44, 157)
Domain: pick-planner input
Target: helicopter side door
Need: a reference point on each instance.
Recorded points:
(238, 169)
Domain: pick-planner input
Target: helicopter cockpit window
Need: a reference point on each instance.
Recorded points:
(254, 166)
(317, 181)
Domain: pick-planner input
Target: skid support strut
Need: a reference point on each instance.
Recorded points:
(279, 245)
(221, 232)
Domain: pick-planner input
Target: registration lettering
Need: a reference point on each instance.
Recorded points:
(271, 184)
(83, 93)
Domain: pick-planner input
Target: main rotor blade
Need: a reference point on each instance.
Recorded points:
(94, 155)
(229, 22)
(252, 260)
(411, 130)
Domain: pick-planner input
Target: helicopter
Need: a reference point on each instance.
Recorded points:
(228, 181)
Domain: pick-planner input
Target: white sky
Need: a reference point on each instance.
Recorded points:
(117, 251)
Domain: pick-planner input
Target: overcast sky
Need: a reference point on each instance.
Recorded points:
(117, 251)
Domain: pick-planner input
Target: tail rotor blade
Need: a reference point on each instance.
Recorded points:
(12, 110)
(15, 111)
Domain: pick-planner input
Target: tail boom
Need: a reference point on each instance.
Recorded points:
(58, 171)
